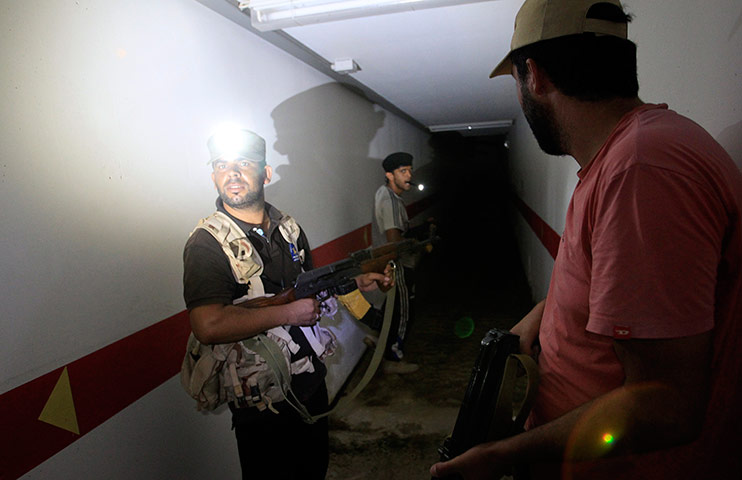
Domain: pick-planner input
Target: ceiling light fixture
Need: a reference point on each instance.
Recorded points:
(266, 15)
(345, 66)
(494, 125)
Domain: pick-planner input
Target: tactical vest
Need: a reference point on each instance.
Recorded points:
(255, 371)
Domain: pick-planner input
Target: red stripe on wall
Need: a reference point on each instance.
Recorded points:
(106, 381)
(341, 247)
(549, 238)
(103, 383)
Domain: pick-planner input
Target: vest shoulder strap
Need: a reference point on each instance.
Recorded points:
(245, 262)
(290, 231)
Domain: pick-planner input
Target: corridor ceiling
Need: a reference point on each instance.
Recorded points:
(430, 66)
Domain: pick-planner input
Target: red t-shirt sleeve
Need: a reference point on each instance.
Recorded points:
(655, 247)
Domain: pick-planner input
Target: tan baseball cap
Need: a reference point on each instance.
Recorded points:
(539, 20)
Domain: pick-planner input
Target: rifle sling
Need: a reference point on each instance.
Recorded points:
(274, 357)
(344, 402)
(378, 352)
(509, 415)
(271, 352)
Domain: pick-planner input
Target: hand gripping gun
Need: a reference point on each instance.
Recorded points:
(338, 278)
(501, 389)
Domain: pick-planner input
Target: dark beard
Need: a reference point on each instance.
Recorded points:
(250, 200)
(541, 120)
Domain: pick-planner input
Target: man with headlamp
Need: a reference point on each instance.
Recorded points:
(247, 249)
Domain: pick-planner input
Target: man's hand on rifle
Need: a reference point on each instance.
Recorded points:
(303, 312)
(478, 463)
(527, 329)
(371, 281)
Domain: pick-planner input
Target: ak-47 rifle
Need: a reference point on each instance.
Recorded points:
(495, 404)
(339, 278)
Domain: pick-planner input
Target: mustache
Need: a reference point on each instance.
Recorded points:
(235, 182)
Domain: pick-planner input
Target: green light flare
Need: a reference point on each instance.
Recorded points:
(464, 327)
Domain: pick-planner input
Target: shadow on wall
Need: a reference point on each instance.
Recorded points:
(325, 132)
(731, 139)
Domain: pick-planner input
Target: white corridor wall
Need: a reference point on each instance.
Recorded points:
(690, 57)
(106, 110)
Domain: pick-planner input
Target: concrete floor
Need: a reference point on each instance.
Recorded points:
(398, 422)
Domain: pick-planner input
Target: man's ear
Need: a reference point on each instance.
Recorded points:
(389, 176)
(268, 175)
(538, 82)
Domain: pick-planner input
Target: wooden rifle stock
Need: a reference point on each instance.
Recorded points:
(287, 295)
(363, 261)
(377, 265)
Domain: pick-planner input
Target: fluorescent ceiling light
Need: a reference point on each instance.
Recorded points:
(268, 15)
(463, 127)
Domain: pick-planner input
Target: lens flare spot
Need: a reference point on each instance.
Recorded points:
(464, 327)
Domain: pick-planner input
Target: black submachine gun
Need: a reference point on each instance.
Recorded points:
(498, 397)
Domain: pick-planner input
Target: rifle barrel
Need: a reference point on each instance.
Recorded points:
(362, 261)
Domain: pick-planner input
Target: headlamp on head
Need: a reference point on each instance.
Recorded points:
(230, 143)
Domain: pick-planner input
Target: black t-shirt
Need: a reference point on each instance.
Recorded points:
(208, 279)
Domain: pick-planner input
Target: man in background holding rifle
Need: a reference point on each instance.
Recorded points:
(640, 331)
(265, 254)
(391, 224)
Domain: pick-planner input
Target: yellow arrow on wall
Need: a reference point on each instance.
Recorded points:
(60, 408)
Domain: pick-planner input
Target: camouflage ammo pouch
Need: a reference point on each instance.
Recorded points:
(255, 372)
(199, 375)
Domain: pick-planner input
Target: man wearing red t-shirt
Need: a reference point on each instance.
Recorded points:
(638, 339)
